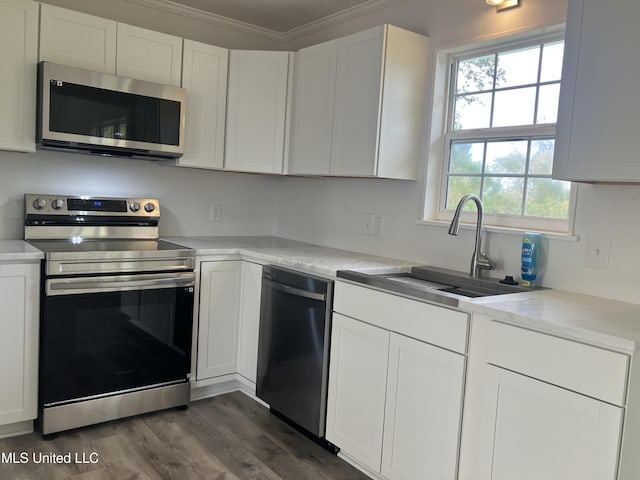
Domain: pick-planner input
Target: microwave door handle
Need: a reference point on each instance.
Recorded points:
(122, 283)
(298, 292)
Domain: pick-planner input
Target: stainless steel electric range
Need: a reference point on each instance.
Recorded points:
(116, 310)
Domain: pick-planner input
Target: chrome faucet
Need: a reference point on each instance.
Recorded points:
(479, 261)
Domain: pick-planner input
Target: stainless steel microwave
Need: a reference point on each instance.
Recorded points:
(104, 114)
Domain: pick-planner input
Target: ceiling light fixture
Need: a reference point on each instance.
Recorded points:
(503, 4)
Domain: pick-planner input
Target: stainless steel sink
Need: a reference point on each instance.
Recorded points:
(436, 284)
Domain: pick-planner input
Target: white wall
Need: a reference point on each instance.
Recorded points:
(247, 201)
(329, 211)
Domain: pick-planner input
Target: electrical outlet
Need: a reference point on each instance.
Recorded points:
(378, 225)
(366, 227)
(215, 212)
(597, 254)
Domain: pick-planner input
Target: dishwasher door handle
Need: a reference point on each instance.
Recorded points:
(298, 292)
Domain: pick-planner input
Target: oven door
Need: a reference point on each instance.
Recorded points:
(112, 334)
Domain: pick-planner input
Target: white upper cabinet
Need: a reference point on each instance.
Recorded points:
(358, 95)
(204, 76)
(599, 104)
(256, 111)
(77, 40)
(147, 55)
(358, 105)
(312, 116)
(19, 58)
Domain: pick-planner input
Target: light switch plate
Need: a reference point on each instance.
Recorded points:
(597, 254)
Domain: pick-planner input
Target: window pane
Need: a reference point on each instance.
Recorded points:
(548, 103)
(458, 187)
(472, 111)
(475, 74)
(503, 195)
(466, 157)
(547, 198)
(552, 54)
(541, 161)
(506, 157)
(514, 107)
(518, 67)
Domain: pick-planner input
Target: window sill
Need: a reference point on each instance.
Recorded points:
(504, 230)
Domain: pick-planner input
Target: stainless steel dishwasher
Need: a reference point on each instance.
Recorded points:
(293, 349)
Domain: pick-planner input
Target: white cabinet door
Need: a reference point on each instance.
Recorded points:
(597, 118)
(312, 117)
(357, 387)
(423, 411)
(250, 294)
(357, 103)
(256, 111)
(19, 59)
(534, 430)
(19, 297)
(77, 40)
(204, 76)
(147, 55)
(218, 318)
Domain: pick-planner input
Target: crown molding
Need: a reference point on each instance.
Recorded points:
(217, 20)
(283, 37)
(337, 18)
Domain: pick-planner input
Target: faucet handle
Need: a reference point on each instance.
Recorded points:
(484, 263)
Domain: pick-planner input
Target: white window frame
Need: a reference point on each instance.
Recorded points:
(436, 184)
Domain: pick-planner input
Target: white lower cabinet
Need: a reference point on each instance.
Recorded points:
(228, 319)
(218, 318)
(19, 297)
(423, 410)
(357, 387)
(541, 407)
(395, 402)
(533, 430)
(250, 292)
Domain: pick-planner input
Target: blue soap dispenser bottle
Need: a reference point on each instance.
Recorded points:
(530, 255)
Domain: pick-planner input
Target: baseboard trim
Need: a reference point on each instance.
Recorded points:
(354, 463)
(15, 429)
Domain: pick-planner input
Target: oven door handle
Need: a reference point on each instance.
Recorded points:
(118, 283)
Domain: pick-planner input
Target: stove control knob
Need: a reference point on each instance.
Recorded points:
(149, 207)
(39, 203)
(57, 204)
(134, 206)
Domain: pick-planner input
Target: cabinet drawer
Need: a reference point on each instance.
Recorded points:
(429, 323)
(592, 371)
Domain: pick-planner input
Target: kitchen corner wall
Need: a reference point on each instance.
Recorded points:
(329, 211)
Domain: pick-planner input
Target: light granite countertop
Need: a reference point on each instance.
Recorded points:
(596, 321)
(289, 253)
(18, 251)
(592, 320)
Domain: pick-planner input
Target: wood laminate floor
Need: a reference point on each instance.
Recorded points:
(229, 437)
